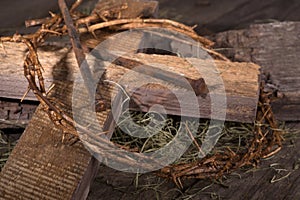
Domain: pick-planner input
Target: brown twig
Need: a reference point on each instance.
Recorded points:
(35, 22)
(75, 5)
(192, 137)
(135, 23)
(217, 165)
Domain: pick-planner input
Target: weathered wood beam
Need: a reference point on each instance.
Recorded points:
(240, 80)
(41, 166)
(276, 48)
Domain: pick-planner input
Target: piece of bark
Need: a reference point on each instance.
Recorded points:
(275, 47)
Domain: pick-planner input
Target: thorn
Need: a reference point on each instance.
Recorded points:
(25, 94)
(50, 88)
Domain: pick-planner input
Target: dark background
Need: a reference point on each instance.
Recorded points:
(210, 15)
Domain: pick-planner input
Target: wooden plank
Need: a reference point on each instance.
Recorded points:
(41, 166)
(275, 47)
(13, 83)
(240, 79)
(51, 172)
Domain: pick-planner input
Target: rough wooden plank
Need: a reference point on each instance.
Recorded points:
(41, 165)
(12, 55)
(51, 172)
(240, 79)
(275, 47)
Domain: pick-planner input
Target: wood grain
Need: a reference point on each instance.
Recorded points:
(275, 47)
(240, 80)
(41, 166)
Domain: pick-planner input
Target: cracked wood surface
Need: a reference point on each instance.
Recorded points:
(276, 48)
